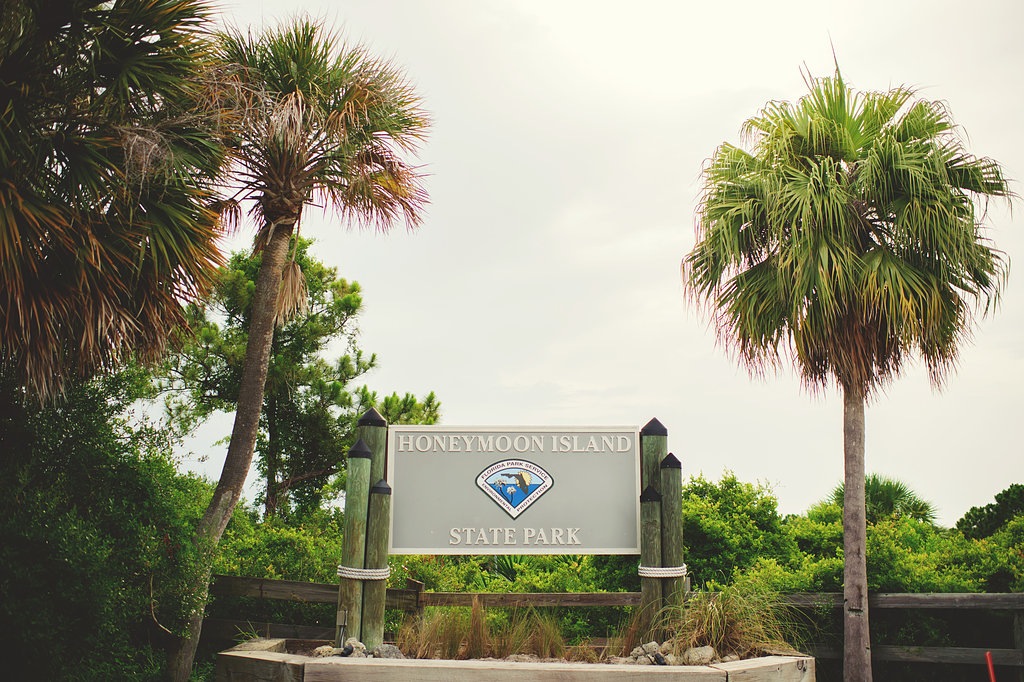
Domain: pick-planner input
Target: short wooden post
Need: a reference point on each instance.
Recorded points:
(372, 429)
(353, 548)
(1018, 638)
(417, 587)
(650, 554)
(375, 591)
(674, 589)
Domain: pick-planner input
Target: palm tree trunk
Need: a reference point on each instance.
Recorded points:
(271, 460)
(243, 440)
(856, 640)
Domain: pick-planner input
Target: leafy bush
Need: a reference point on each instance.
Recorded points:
(903, 555)
(308, 551)
(554, 573)
(95, 535)
(728, 526)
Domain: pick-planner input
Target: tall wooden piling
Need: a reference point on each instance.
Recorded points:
(375, 591)
(653, 447)
(353, 548)
(372, 429)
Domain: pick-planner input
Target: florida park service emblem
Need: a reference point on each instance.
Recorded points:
(514, 484)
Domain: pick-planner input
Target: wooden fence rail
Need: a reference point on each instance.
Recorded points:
(413, 599)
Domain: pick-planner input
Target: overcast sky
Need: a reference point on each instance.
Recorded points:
(564, 165)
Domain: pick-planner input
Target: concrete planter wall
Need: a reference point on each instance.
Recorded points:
(267, 660)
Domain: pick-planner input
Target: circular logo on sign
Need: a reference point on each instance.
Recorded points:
(514, 484)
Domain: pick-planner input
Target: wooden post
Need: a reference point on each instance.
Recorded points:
(372, 429)
(353, 548)
(650, 554)
(375, 591)
(1018, 638)
(653, 448)
(674, 589)
(417, 587)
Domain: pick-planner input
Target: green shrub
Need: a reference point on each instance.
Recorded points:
(728, 526)
(95, 535)
(308, 551)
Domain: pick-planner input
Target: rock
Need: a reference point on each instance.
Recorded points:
(388, 651)
(671, 659)
(323, 651)
(699, 655)
(622, 660)
(357, 646)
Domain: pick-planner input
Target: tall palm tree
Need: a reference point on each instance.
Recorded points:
(330, 124)
(848, 239)
(886, 497)
(110, 142)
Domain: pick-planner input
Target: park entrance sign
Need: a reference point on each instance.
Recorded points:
(502, 490)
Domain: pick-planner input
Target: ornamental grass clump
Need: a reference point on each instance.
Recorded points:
(438, 633)
(455, 633)
(741, 620)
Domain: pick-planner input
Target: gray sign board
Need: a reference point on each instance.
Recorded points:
(514, 490)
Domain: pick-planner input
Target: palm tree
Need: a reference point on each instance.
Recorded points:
(886, 497)
(330, 124)
(110, 143)
(849, 239)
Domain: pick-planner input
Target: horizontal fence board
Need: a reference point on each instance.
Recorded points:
(222, 629)
(531, 599)
(928, 654)
(1007, 601)
(291, 590)
(406, 600)
(934, 600)
(410, 600)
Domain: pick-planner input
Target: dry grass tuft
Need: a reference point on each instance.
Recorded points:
(744, 620)
(452, 633)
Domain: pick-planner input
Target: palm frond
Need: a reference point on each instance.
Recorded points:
(109, 156)
(292, 299)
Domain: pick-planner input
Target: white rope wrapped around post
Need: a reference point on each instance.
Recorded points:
(364, 573)
(661, 571)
